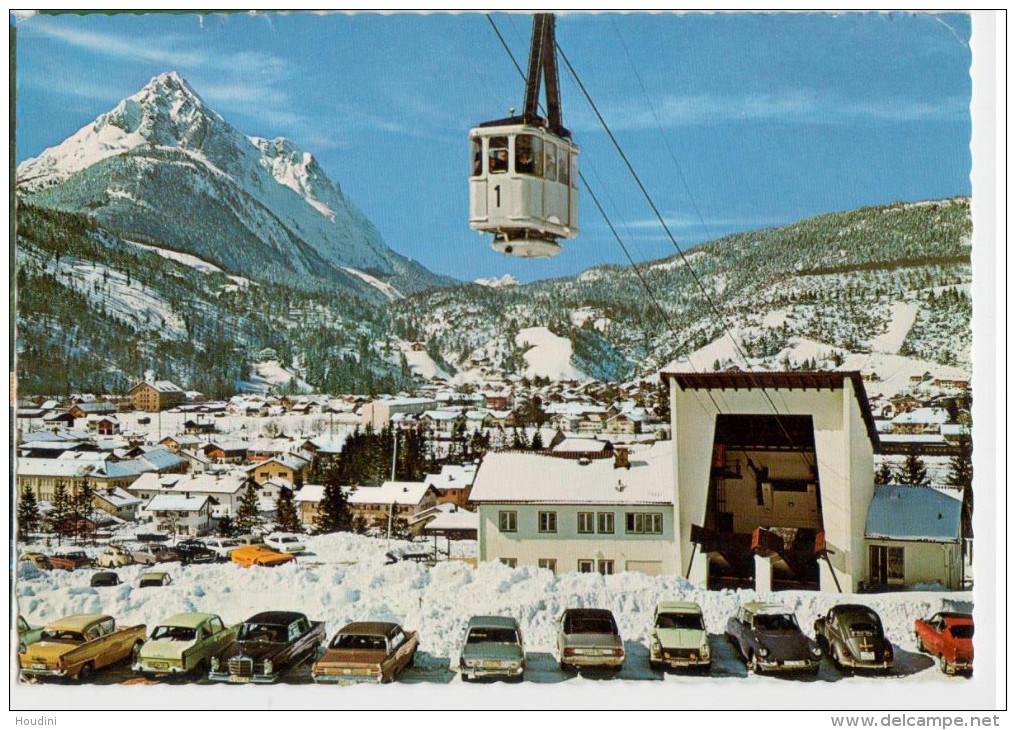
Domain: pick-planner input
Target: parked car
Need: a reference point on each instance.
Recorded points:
(27, 634)
(71, 560)
(78, 645)
(492, 647)
(679, 637)
(267, 645)
(154, 579)
(221, 546)
(152, 553)
(39, 560)
(853, 637)
(588, 637)
(114, 556)
(195, 551)
(249, 555)
(184, 643)
(370, 651)
(285, 543)
(949, 636)
(105, 579)
(769, 639)
(152, 537)
(249, 539)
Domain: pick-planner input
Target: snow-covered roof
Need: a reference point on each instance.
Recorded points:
(310, 493)
(41, 467)
(581, 446)
(290, 461)
(176, 503)
(520, 477)
(328, 443)
(405, 401)
(954, 429)
(453, 520)
(228, 483)
(407, 493)
(162, 386)
(117, 497)
(452, 476)
(184, 439)
(902, 512)
(442, 415)
(928, 416)
(912, 438)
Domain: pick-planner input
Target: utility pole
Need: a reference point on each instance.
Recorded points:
(395, 449)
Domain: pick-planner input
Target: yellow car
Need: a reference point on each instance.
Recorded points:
(39, 560)
(256, 555)
(78, 645)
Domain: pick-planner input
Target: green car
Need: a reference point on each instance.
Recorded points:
(27, 634)
(184, 643)
(492, 648)
(679, 637)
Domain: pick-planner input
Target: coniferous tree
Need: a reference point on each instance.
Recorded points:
(28, 514)
(81, 509)
(334, 514)
(61, 510)
(961, 474)
(537, 443)
(517, 439)
(225, 526)
(248, 514)
(287, 519)
(884, 474)
(913, 471)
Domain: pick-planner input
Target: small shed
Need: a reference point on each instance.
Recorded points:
(914, 537)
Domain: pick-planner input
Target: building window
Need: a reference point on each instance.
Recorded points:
(508, 521)
(510, 562)
(548, 522)
(585, 523)
(586, 566)
(605, 523)
(644, 523)
(548, 563)
(605, 567)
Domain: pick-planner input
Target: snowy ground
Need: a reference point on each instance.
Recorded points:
(344, 578)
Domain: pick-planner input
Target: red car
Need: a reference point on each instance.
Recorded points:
(950, 637)
(70, 560)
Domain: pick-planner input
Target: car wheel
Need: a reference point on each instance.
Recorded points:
(837, 657)
(656, 666)
(943, 664)
(86, 672)
(136, 652)
(753, 665)
(566, 668)
(920, 643)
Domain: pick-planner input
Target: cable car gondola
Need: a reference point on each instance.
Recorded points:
(523, 186)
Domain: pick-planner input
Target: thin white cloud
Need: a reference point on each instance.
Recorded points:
(110, 45)
(796, 107)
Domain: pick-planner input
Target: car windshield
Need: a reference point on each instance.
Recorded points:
(863, 629)
(590, 625)
(493, 636)
(268, 633)
(680, 621)
(359, 641)
(962, 632)
(775, 622)
(288, 539)
(62, 636)
(149, 582)
(174, 633)
(77, 555)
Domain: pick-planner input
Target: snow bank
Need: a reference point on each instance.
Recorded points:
(344, 578)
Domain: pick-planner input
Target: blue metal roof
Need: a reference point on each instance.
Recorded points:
(903, 512)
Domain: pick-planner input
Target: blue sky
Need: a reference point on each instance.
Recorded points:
(733, 121)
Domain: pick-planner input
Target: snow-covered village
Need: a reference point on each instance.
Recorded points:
(265, 435)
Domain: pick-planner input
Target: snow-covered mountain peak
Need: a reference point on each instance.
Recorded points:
(497, 283)
(299, 171)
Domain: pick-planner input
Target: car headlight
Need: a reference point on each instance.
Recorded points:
(215, 663)
(815, 651)
(656, 645)
(268, 666)
(888, 652)
(763, 652)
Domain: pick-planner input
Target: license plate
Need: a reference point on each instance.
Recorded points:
(867, 656)
(606, 652)
(491, 665)
(796, 663)
(347, 671)
(38, 666)
(239, 680)
(160, 665)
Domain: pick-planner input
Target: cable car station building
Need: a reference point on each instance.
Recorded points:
(774, 473)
